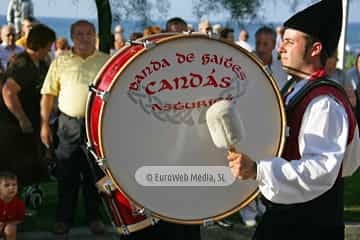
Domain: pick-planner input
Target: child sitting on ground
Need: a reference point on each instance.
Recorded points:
(12, 209)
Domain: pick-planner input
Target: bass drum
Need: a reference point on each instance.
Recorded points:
(146, 124)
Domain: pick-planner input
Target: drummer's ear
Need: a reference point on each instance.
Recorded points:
(316, 49)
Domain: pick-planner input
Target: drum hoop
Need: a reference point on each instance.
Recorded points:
(253, 57)
(97, 79)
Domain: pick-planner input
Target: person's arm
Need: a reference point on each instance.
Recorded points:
(46, 107)
(350, 85)
(49, 91)
(351, 95)
(322, 144)
(10, 93)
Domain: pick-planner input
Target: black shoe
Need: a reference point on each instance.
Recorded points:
(225, 224)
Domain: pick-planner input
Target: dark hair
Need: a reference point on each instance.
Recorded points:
(7, 175)
(39, 37)
(30, 19)
(174, 20)
(80, 22)
(136, 35)
(309, 41)
(266, 30)
(154, 29)
(224, 32)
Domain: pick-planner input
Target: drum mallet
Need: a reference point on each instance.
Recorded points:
(225, 125)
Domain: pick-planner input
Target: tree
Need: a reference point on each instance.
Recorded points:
(104, 23)
(238, 9)
(142, 10)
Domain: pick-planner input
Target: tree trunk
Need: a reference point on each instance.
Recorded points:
(104, 23)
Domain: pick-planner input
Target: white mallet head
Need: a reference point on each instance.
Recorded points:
(224, 123)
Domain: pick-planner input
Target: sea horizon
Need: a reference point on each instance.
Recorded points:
(61, 26)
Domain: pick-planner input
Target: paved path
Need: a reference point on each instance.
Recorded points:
(239, 232)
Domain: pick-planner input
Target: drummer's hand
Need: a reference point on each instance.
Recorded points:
(46, 135)
(242, 166)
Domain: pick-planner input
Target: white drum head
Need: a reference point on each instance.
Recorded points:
(156, 118)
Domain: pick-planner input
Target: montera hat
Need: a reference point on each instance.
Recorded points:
(322, 20)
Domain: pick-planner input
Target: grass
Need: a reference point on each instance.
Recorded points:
(351, 197)
(44, 219)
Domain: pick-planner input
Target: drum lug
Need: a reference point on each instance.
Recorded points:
(100, 161)
(208, 222)
(148, 215)
(212, 35)
(104, 95)
(154, 221)
(287, 131)
(147, 44)
(90, 150)
(125, 230)
(140, 211)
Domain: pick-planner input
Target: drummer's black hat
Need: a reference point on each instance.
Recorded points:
(322, 20)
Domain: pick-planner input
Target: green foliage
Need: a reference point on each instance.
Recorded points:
(349, 61)
(241, 9)
(238, 9)
(142, 10)
(351, 197)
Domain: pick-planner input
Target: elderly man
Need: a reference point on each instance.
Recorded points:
(8, 48)
(265, 40)
(68, 78)
(243, 40)
(303, 189)
(119, 38)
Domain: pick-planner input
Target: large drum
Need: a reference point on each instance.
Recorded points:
(146, 124)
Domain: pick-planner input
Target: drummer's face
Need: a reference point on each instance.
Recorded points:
(292, 49)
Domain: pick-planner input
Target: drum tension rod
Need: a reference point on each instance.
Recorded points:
(104, 95)
(99, 161)
(208, 222)
(148, 215)
(212, 35)
(147, 44)
(124, 230)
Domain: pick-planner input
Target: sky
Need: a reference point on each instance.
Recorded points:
(271, 11)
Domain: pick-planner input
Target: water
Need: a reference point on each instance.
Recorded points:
(62, 28)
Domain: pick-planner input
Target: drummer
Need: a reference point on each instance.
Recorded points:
(303, 189)
(68, 77)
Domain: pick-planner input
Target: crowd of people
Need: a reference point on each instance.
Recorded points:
(44, 78)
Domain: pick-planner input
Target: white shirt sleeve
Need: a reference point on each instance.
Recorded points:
(322, 144)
